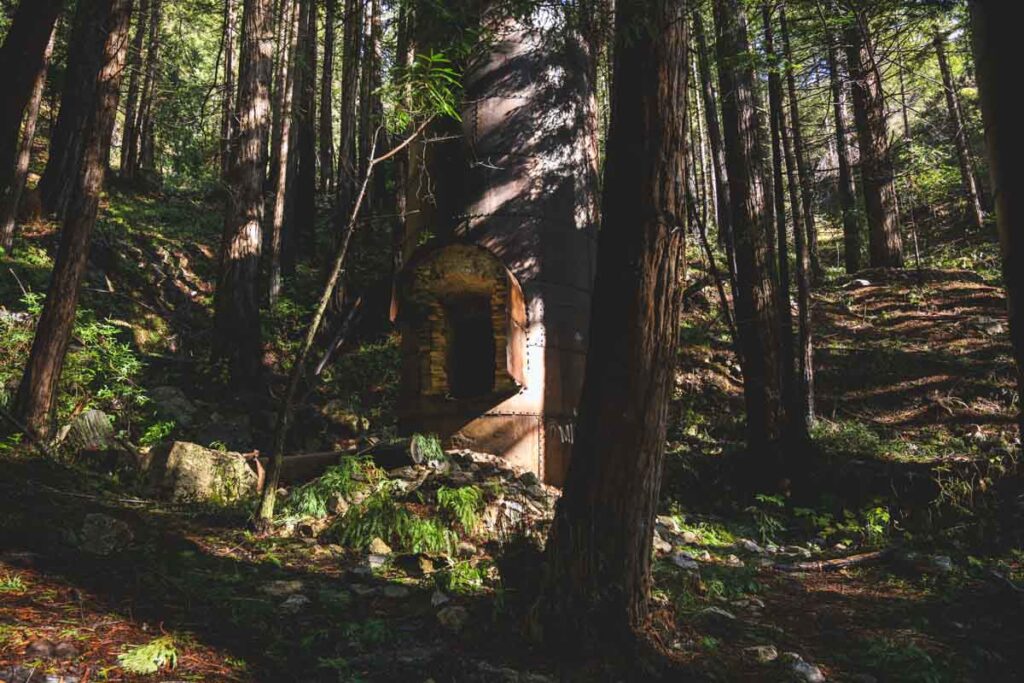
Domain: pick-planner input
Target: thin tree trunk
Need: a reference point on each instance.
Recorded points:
(227, 107)
(367, 105)
(9, 203)
(996, 34)
(67, 140)
(723, 210)
(21, 55)
(146, 127)
(299, 229)
(36, 398)
(596, 590)
(778, 132)
(286, 78)
(237, 335)
(804, 243)
(326, 98)
(959, 134)
(877, 178)
(852, 239)
(757, 315)
(134, 78)
(347, 165)
(803, 168)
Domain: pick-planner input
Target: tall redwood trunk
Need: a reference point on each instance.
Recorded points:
(302, 182)
(37, 393)
(128, 136)
(237, 335)
(996, 35)
(227, 106)
(326, 97)
(756, 299)
(347, 164)
(959, 135)
(877, 177)
(146, 126)
(21, 55)
(368, 110)
(282, 147)
(597, 581)
(804, 243)
(847, 191)
(67, 138)
(9, 202)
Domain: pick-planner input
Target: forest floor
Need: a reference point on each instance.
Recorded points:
(914, 473)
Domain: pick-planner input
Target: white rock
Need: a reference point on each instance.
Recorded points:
(685, 561)
(805, 670)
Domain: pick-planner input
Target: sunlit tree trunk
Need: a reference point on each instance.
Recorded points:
(237, 336)
(21, 55)
(9, 202)
(959, 134)
(369, 118)
(347, 164)
(145, 128)
(877, 177)
(301, 211)
(597, 579)
(757, 314)
(36, 398)
(134, 78)
(996, 32)
(326, 98)
(285, 79)
(845, 184)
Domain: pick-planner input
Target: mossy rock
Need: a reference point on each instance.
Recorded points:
(188, 473)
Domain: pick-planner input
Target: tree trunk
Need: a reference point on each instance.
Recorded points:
(67, 138)
(885, 243)
(146, 126)
(299, 229)
(723, 210)
(598, 569)
(347, 167)
(236, 303)
(803, 241)
(757, 312)
(285, 79)
(790, 398)
(846, 189)
(227, 109)
(368, 119)
(134, 76)
(21, 55)
(803, 169)
(326, 97)
(996, 50)
(37, 393)
(959, 135)
(9, 203)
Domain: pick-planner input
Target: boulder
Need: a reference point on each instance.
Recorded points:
(187, 472)
(92, 431)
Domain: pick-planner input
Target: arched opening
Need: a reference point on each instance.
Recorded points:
(469, 364)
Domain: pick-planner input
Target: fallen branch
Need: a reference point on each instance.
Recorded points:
(837, 563)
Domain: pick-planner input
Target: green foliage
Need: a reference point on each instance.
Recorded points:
(462, 577)
(157, 432)
(429, 446)
(430, 86)
(904, 661)
(765, 516)
(462, 505)
(381, 516)
(12, 583)
(345, 479)
(157, 654)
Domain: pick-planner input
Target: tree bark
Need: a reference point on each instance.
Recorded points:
(958, 132)
(299, 229)
(804, 243)
(347, 162)
(847, 191)
(36, 398)
(790, 398)
(368, 110)
(757, 314)
(285, 79)
(326, 97)
(877, 178)
(996, 49)
(145, 128)
(21, 55)
(227, 109)
(9, 203)
(237, 335)
(597, 578)
(67, 138)
(128, 136)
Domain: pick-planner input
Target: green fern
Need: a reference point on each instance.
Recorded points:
(462, 505)
(353, 474)
(150, 658)
(380, 516)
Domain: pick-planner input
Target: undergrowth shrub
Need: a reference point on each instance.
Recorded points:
(381, 516)
(462, 505)
(345, 479)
